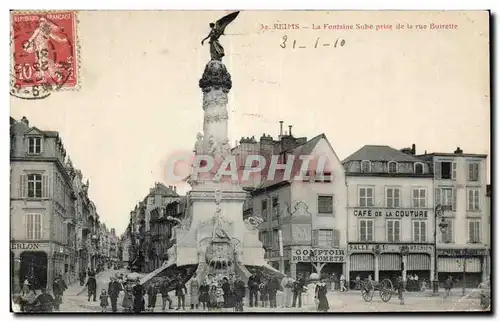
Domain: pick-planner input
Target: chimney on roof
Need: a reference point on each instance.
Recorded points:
(290, 130)
(281, 129)
(25, 121)
(413, 149)
(458, 150)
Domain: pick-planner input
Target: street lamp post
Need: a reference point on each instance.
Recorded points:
(443, 225)
(404, 252)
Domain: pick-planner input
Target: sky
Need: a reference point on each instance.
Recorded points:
(139, 102)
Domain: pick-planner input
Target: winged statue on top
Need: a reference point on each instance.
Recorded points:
(217, 30)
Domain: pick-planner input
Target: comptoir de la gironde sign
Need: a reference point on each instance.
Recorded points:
(392, 213)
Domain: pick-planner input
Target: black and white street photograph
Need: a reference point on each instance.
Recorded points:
(250, 161)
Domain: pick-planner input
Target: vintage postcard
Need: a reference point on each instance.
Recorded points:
(250, 161)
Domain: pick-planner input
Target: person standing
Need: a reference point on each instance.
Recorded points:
(128, 299)
(287, 284)
(165, 297)
(273, 288)
(180, 292)
(104, 300)
(194, 288)
(152, 294)
(226, 288)
(358, 282)
(298, 288)
(264, 293)
(343, 288)
(253, 289)
(114, 289)
(417, 283)
(91, 286)
(448, 285)
(212, 298)
(138, 292)
(58, 292)
(333, 281)
(239, 294)
(45, 300)
(321, 291)
(400, 287)
(204, 297)
(230, 300)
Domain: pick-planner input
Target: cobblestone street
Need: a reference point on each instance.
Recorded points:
(339, 302)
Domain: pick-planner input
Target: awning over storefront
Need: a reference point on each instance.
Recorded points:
(455, 265)
(362, 262)
(418, 262)
(389, 262)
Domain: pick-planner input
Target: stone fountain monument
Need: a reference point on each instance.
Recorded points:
(213, 237)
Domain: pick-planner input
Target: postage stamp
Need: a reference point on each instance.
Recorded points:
(44, 53)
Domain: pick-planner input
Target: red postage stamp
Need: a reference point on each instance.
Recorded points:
(44, 53)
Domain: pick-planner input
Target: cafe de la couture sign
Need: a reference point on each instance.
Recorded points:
(390, 248)
(390, 213)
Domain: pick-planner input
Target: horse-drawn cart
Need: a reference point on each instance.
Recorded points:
(385, 289)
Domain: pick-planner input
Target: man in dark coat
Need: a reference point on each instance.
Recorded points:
(298, 288)
(239, 294)
(400, 287)
(45, 301)
(138, 291)
(164, 296)
(253, 289)
(273, 287)
(152, 295)
(114, 289)
(91, 286)
(180, 292)
(58, 287)
(226, 288)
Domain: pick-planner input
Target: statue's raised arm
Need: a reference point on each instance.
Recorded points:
(217, 30)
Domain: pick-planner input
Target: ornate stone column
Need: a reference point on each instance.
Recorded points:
(215, 84)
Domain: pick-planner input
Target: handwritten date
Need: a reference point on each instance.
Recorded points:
(286, 43)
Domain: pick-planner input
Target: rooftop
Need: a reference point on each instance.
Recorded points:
(380, 153)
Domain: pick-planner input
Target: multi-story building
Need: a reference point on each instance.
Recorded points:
(104, 244)
(113, 245)
(146, 221)
(162, 221)
(390, 213)
(41, 207)
(83, 222)
(304, 215)
(460, 188)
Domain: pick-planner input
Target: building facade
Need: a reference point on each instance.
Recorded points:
(162, 221)
(390, 214)
(460, 185)
(41, 207)
(145, 240)
(303, 220)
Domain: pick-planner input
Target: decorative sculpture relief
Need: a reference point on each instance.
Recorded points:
(215, 118)
(225, 149)
(198, 147)
(212, 145)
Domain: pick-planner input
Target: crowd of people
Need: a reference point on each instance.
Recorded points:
(31, 301)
